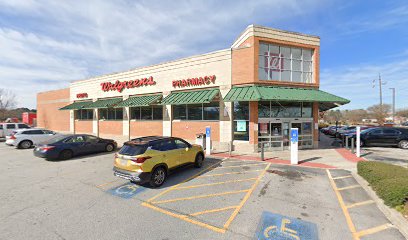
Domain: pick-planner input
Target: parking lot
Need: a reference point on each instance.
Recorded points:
(226, 199)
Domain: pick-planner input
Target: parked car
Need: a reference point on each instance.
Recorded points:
(327, 130)
(343, 129)
(26, 138)
(334, 130)
(384, 136)
(8, 128)
(150, 159)
(67, 146)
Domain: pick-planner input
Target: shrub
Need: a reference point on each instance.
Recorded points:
(389, 181)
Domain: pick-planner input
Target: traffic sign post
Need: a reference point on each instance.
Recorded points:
(208, 140)
(358, 141)
(294, 139)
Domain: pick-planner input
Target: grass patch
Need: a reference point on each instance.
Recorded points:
(390, 182)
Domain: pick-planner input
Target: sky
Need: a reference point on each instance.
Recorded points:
(44, 45)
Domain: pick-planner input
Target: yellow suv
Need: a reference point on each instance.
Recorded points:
(149, 159)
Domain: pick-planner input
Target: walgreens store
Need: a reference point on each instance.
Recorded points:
(251, 93)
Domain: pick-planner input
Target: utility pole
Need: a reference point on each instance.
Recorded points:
(380, 83)
(393, 104)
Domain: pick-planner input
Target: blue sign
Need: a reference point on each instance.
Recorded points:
(127, 190)
(294, 135)
(278, 227)
(208, 131)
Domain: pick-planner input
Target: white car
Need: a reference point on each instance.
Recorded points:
(26, 138)
(8, 128)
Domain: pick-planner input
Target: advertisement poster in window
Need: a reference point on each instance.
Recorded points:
(263, 127)
(241, 126)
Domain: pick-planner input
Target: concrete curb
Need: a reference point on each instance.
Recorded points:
(393, 215)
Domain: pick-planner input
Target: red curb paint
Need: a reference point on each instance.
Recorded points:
(272, 160)
(348, 155)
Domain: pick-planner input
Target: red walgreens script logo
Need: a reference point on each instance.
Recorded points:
(119, 86)
(275, 62)
(82, 95)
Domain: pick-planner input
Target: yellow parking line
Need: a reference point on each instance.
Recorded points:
(104, 184)
(374, 230)
(213, 210)
(234, 214)
(241, 161)
(200, 196)
(184, 217)
(217, 183)
(228, 173)
(349, 187)
(188, 179)
(360, 204)
(350, 223)
(235, 166)
(342, 177)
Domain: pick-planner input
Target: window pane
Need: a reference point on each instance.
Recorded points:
(307, 54)
(285, 51)
(111, 114)
(263, 109)
(103, 114)
(263, 49)
(157, 112)
(274, 75)
(241, 130)
(275, 63)
(263, 73)
(146, 113)
(293, 110)
(296, 76)
(296, 65)
(286, 64)
(307, 110)
(212, 111)
(263, 61)
(179, 112)
(307, 77)
(276, 110)
(241, 110)
(10, 126)
(286, 76)
(307, 66)
(119, 114)
(273, 49)
(296, 53)
(135, 113)
(195, 112)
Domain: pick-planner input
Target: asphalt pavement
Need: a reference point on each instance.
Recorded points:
(226, 199)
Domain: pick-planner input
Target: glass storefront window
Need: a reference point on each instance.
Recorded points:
(241, 121)
(211, 111)
(307, 110)
(134, 113)
(84, 114)
(146, 113)
(157, 112)
(111, 114)
(241, 110)
(195, 112)
(279, 63)
(284, 110)
(179, 112)
(264, 109)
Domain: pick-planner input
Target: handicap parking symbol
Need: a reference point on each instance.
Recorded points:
(127, 190)
(279, 227)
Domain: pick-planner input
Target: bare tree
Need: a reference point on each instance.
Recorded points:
(354, 116)
(379, 112)
(403, 113)
(7, 101)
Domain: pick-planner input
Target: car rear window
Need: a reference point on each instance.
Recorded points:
(55, 139)
(132, 150)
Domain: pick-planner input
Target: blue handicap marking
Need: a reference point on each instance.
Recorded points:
(208, 132)
(127, 190)
(279, 227)
(294, 135)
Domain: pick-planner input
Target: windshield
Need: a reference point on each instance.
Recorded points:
(132, 150)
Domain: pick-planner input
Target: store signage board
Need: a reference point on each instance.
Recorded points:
(195, 81)
(82, 95)
(121, 85)
(241, 126)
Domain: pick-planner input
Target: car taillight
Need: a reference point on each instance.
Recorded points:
(46, 148)
(140, 159)
(13, 137)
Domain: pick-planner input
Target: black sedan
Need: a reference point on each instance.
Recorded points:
(384, 136)
(67, 146)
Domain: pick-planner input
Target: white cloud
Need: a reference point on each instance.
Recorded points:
(46, 44)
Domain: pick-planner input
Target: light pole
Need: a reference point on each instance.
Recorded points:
(393, 104)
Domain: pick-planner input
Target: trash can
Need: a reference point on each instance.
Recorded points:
(200, 139)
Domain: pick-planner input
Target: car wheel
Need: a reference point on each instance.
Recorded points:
(158, 177)
(199, 159)
(109, 147)
(403, 144)
(65, 154)
(25, 144)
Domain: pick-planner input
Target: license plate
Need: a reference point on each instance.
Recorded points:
(123, 162)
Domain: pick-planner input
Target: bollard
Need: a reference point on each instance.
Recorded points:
(229, 148)
(262, 152)
(347, 142)
(352, 145)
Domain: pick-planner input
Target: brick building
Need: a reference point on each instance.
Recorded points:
(250, 93)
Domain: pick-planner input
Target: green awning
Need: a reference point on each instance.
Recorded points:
(139, 101)
(76, 105)
(259, 93)
(190, 97)
(104, 103)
